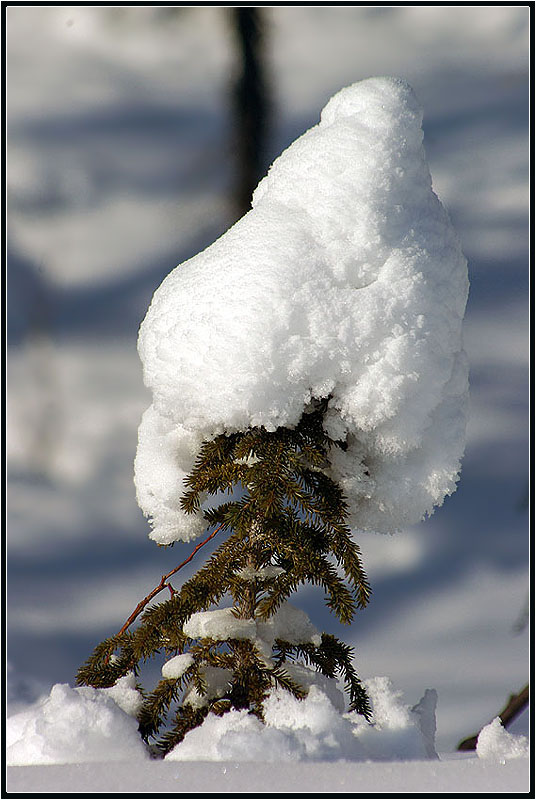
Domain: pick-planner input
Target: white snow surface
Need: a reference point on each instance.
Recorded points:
(469, 775)
(219, 624)
(497, 744)
(125, 694)
(86, 725)
(345, 280)
(72, 726)
(313, 729)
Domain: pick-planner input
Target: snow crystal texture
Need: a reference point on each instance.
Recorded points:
(313, 729)
(345, 280)
(88, 725)
(76, 725)
(288, 623)
(497, 744)
(177, 666)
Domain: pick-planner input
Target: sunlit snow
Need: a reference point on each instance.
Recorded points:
(345, 280)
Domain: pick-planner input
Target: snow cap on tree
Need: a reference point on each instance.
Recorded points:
(345, 281)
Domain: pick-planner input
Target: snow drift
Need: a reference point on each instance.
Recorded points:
(345, 280)
(314, 729)
(88, 725)
(77, 725)
(97, 725)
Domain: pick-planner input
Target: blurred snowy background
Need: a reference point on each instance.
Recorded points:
(120, 165)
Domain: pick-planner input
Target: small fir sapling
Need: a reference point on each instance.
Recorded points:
(286, 528)
(308, 381)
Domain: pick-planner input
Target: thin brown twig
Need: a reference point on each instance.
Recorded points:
(162, 585)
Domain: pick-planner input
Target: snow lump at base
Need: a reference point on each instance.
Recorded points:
(314, 729)
(345, 280)
(87, 725)
(71, 726)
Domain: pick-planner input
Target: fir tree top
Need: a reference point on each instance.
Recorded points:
(344, 281)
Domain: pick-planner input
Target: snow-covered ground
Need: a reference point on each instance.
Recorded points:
(97, 726)
(459, 775)
(120, 167)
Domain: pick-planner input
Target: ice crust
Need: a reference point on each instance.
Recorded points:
(345, 280)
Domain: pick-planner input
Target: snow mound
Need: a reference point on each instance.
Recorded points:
(312, 729)
(75, 725)
(496, 744)
(345, 280)
(87, 725)
(125, 694)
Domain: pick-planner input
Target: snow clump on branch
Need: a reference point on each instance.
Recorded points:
(287, 623)
(344, 281)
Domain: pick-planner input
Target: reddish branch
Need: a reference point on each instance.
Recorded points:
(515, 705)
(163, 583)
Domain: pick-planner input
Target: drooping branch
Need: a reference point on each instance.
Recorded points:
(284, 528)
(163, 583)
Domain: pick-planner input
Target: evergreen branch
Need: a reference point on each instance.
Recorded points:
(281, 678)
(163, 583)
(187, 718)
(290, 514)
(220, 706)
(348, 554)
(161, 624)
(100, 670)
(156, 706)
(330, 658)
(220, 478)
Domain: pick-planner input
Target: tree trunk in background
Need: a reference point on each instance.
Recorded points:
(250, 105)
